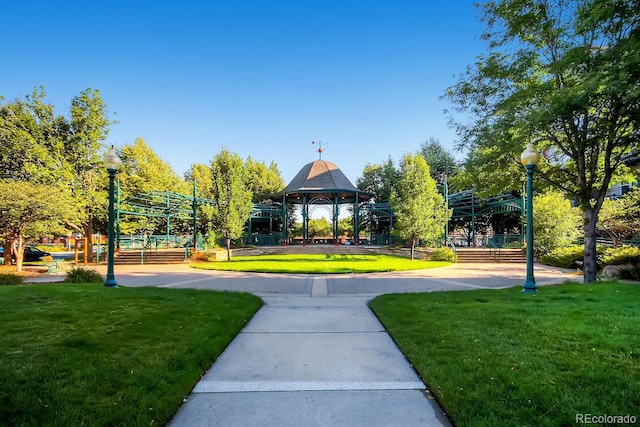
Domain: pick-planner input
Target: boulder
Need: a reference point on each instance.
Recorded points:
(613, 271)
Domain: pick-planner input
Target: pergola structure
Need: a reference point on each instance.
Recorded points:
(161, 204)
(467, 204)
(321, 183)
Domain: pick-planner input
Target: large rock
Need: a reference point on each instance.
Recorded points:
(613, 271)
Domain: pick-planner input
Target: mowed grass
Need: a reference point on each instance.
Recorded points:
(319, 263)
(87, 355)
(503, 358)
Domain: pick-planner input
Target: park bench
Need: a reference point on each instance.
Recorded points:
(52, 264)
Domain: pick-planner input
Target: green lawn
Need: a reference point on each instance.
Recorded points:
(319, 263)
(88, 355)
(503, 358)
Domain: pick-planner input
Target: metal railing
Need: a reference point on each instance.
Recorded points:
(449, 243)
(494, 248)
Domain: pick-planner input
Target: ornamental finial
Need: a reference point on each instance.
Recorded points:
(319, 149)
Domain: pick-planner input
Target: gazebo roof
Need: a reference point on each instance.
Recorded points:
(322, 180)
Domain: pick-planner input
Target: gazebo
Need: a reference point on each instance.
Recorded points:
(322, 183)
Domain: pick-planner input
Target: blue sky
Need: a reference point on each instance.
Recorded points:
(261, 78)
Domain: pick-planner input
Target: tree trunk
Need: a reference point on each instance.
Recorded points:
(413, 245)
(228, 248)
(17, 248)
(590, 266)
(88, 232)
(7, 251)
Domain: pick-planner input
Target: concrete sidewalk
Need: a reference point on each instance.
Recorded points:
(311, 361)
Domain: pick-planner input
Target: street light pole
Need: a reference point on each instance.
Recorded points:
(530, 158)
(112, 162)
(446, 206)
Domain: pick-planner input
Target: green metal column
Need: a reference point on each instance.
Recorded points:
(336, 215)
(168, 234)
(473, 219)
(356, 223)
(523, 212)
(446, 206)
(530, 281)
(305, 219)
(118, 216)
(195, 216)
(284, 220)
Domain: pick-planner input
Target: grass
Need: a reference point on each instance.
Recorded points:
(319, 263)
(87, 355)
(499, 357)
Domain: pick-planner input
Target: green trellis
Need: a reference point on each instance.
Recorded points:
(162, 204)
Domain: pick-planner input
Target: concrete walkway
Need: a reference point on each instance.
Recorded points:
(315, 361)
(314, 354)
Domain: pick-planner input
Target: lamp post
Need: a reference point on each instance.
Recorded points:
(529, 159)
(112, 162)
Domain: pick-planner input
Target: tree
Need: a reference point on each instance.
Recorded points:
(27, 211)
(620, 218)
(89, 127)
(201, 174)
(345, 226)
(419, 208)
(378, 180)
(143, 171)
(562, 74)
(441, 162)
(32, 158)
(232, 199)
(319, 227)
(262, 180)
(556, 223)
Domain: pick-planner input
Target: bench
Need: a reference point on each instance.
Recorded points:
(52, 264)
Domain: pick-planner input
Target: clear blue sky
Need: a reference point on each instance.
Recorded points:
(261, 78)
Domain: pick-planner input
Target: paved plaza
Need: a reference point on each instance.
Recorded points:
(314, 354)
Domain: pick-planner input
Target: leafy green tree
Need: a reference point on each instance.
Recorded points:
(556, 224)
(202, 175)
(232, 199)
(378, 180)
(27, 211)
(419, 208)
(262, 180)
(345, 225)
(319, 227)
(469, 228)
(620, 218)
(441, 162)
(88, 127)
(32, 141)
(563, 74)
(143, 171)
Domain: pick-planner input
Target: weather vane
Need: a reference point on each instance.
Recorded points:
(319, 150)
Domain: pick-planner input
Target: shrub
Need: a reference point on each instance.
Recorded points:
(631, 274)
(621, 255)
(205, 256)
(564, 257)
(83, 275)
(514, 245)
(11, 279)
(443, 254)
(555, 223)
